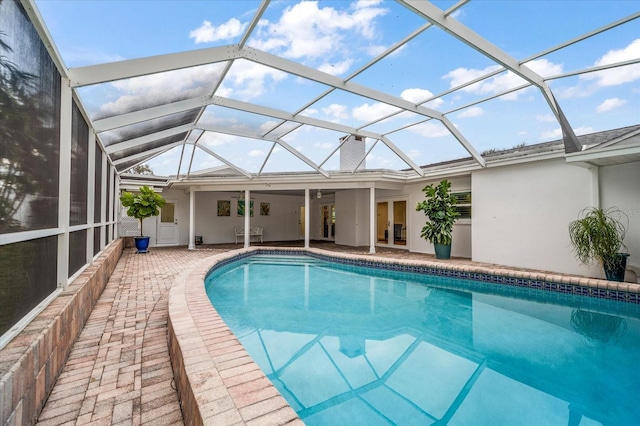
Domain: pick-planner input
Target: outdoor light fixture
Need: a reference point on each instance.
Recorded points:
(319, 194)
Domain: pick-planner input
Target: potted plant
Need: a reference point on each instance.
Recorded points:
(439, 208)
(141, 205)
(597, 236)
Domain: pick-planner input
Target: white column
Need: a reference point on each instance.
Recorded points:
(372, 220)
(117, 214)
(307, 203)
(192, 219)
(91, 179)
(64, 183)
(247, 216)
(595, 186)
(103, 196)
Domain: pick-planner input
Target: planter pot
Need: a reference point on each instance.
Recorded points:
(616, 272)
(142, 244)
(443, 251)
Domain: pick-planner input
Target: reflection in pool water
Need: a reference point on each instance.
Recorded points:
(344, 347)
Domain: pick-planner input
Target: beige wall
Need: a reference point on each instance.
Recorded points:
(521, 214)
(620, 187)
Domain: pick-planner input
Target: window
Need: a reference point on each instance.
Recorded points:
(463, 204)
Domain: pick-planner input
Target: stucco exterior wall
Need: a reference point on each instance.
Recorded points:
(280, 225)
(620, 187)
(352, 217)
(521, 214)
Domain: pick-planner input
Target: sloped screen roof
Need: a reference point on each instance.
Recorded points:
(272, 86)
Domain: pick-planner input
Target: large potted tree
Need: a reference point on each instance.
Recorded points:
(439, 208)
(597, 236)
(141, 205)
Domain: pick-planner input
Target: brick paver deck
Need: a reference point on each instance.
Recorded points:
(118, 371)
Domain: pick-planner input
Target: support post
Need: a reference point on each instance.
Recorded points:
(595, 186)
(247, 215)
(64, 187)
(192, 219)
(307, 203)
(372, 220)
(91, 194)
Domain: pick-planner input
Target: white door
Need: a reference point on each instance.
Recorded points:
(168, 225)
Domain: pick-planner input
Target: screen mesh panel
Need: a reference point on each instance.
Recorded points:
(147, 127)
(147, 146)
(79, 168)
(30, 135)
(27, 276)
(77, 250)
(96, 240)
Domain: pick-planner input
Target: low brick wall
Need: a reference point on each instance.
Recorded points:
(217, 381)
(31, 363)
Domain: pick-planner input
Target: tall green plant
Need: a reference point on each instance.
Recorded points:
(143, 204)
(598, 236)
(439, 208)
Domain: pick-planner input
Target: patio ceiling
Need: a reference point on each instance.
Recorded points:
(188, 119)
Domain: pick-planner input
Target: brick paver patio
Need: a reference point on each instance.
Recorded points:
(118, 371)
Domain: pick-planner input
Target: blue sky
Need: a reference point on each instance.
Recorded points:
(339, 37)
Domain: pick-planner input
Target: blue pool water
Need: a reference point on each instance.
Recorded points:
(355, 346)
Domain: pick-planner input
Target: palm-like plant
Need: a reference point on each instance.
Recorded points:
(598, 236)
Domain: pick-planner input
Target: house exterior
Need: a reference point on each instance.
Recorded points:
(521, 203)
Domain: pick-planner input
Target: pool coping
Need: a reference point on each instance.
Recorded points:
(219, 383)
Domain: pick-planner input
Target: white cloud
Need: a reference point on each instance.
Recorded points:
(430, 130)
(268, 125)
(372, 112)
(249, 79)
(471, 112)
(583, 130)
(461, 76)
(306, 30)
(502, 82)
(207, 33)
(336, 111)
(609, 104)
(211, 139)
(337, 68)
(551, 134)
(309, 112)
(255, 153)
(620, 75)
(417, 95)
(381, 162)
(141, 92)
(557, 133)
(544, 68)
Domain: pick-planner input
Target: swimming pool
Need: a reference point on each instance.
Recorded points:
(352, 345)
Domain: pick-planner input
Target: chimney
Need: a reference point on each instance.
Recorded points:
(351, 152)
